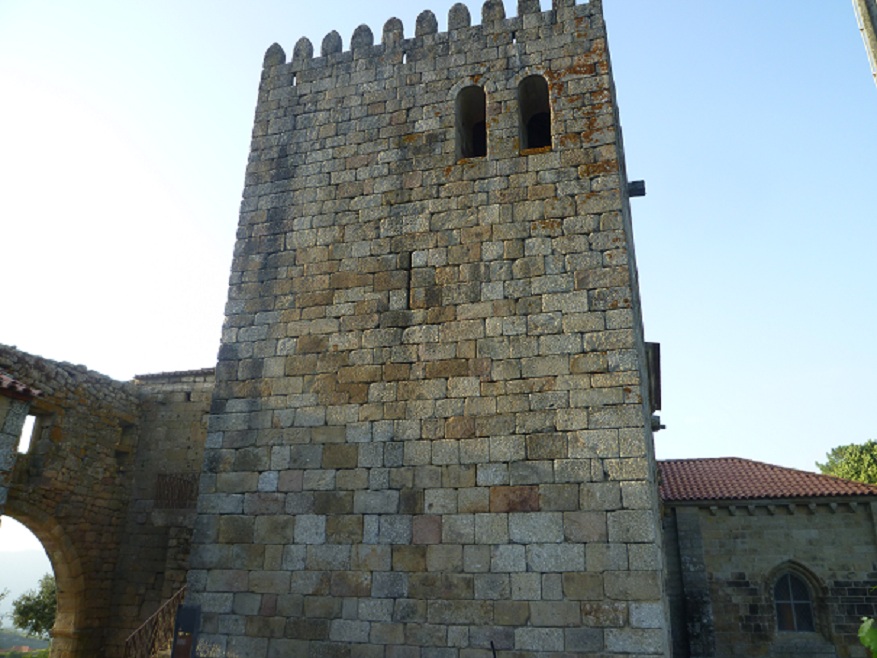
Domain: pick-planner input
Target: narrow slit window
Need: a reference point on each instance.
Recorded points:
(27, 433)
(535, 111)
(471, 123)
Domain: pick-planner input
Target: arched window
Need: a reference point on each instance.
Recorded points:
(794, 604)
(535, 131)
(471, 123)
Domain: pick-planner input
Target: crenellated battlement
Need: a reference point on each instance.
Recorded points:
(461, 30)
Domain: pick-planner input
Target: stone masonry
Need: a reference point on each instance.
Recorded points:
(108, 486)
(15, 401)
(70, 491)
(430, 434)
(723, 563)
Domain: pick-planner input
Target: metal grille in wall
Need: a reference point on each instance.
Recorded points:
(176, 490)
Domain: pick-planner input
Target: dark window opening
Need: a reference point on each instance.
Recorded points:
(539, 130)
(794, 605)
(471, 123)
(479, 139)
(535, 113)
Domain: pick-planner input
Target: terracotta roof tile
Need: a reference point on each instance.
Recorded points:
(733, 478)
(13, 388)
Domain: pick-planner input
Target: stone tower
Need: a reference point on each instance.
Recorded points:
(430, 434)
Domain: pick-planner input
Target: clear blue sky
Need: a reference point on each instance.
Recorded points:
(124, 133)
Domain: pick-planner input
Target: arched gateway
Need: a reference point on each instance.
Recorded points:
(67, 568)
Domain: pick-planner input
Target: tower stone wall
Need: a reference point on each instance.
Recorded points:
(430, 433)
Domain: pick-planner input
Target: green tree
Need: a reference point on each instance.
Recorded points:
(34, 611)
(852, 462)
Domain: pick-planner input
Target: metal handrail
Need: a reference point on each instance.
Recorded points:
(156, 633)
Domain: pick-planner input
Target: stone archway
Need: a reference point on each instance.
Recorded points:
(67, 569)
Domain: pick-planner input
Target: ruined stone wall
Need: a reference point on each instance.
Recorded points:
(164, 471)
(13, 413)
(430, 433)
(737, 553)
(71, 489)
(109, 487)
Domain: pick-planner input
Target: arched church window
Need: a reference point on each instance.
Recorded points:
(535, 131)
(471, 123)
(794, 604)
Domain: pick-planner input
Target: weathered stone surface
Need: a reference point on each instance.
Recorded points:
(432, 351)
(109, 486)
(736, 554)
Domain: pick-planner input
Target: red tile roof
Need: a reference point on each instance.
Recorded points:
(13, 388)
(733, 478)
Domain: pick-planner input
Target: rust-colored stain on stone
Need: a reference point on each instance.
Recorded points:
(569, 139)
(514, 499)
(536, 150)
(547, 225)
(600, 168)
